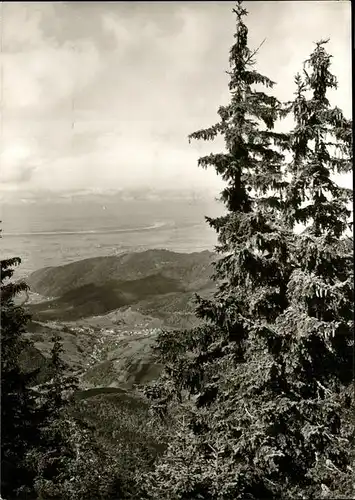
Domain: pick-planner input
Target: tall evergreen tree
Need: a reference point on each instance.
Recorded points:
(319, 320)
(262, 405)
(18, 405)
(49, 460)
(222, 372)
(46, 452)
(68, 462)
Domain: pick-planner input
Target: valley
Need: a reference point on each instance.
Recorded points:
(109, 309)
(107, 312)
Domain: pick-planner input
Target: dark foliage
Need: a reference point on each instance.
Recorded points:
(260, 395)
(19, 429)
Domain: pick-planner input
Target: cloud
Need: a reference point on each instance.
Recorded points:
(112, 159)
(39, 73)
(15, 164)
(43, 78)
(116, 111)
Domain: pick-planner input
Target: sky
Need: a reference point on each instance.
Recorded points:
(102, 95)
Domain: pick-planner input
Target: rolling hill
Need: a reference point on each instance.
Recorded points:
(191, 270)
(97, 286)
(107, 311)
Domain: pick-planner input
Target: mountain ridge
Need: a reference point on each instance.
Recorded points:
(191, 268)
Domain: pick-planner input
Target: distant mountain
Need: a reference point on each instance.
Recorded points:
(130, 194)
(91, 299)
(185, 272)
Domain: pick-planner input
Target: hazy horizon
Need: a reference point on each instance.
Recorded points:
(102, 95)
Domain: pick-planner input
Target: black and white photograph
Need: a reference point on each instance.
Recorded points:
(176, 250)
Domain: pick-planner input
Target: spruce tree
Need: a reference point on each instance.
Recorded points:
(49, 460)
(260, 393)
(37, 442)
(223, 373)
(68, 462)
(319, 320)
(19, 423)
